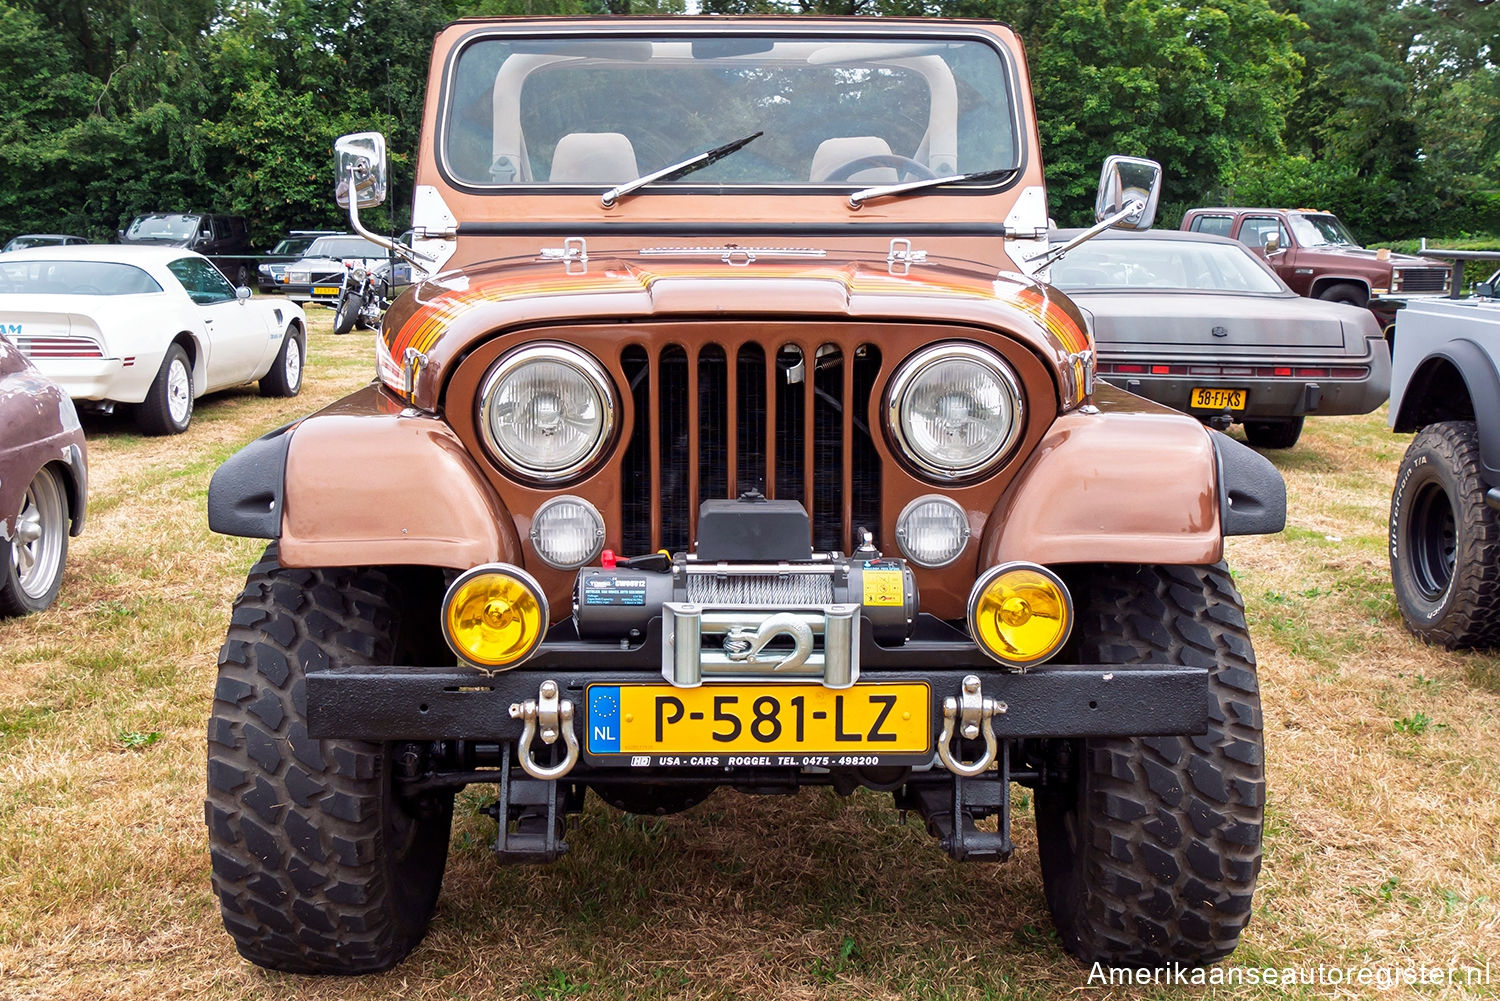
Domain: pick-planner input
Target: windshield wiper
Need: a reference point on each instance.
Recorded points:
(908, 187)
(677, 170)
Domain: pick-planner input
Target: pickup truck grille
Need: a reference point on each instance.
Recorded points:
(790, 422)
(1424, 280)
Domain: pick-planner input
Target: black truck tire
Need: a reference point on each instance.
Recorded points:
(1277, 433)
(1150, 846)
(318, 866)
(1345, 292)
(1444, 540)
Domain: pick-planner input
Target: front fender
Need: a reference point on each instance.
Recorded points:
(1133, 483)
(364, 482)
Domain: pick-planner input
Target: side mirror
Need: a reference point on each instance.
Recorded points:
(1129, 185)
(1273, 243)
(359, 160)
(242, 293)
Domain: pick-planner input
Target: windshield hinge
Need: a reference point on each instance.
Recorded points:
(424, 233)
(902, 256)
(574, 253)
(412, 363)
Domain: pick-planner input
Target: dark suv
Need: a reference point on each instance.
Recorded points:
(1314, 253)
(224, 239)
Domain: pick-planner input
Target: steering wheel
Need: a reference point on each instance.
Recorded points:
(919, 170)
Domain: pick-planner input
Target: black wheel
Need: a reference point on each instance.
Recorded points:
(1150, 846)
(285, 375)
(242, 276)
(1354, 295)
(1445, 541)
(318, 865)
(31, 561)
(914, 169)
(1274, 433)
(168, 407)
(346, 312)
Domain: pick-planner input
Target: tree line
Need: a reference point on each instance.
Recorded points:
(1385, 111)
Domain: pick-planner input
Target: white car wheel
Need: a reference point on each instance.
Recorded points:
(168, 407)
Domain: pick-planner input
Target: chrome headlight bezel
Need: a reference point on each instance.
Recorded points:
(897, 397)
(594, 377)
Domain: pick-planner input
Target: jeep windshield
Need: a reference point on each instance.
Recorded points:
(846, 110)
(1319, 230)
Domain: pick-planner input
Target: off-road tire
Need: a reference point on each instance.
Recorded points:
(346, 312)
(154, 415)
(285, 378)
(1150, 847)
(1281, 433)
(318, 866)
(1354, 295)
(1445, 541)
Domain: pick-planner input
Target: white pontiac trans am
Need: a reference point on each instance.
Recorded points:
(152, 326)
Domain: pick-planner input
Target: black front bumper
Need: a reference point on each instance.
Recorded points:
(411, 703)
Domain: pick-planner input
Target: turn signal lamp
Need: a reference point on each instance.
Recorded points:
(1020, 613)
(494, 616)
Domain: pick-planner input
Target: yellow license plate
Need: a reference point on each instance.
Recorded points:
(1220, 399)
(777, 724)
(325, 290)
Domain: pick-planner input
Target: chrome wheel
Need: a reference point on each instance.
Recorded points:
(40, 543)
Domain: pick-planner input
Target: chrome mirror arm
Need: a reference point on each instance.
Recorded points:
(1132, 210)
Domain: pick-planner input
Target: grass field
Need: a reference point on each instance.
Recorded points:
(1381, 845)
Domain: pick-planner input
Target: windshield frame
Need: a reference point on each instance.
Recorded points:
(883, 31)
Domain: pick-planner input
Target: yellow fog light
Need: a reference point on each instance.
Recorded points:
(1020, 613)
(494, 615)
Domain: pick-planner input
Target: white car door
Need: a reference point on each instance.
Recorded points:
(237, 337)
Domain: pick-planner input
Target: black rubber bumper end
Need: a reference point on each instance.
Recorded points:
(244, 496)
(1252, 494)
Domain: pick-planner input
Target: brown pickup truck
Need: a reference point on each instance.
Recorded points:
(1316, 256)
(733, 437)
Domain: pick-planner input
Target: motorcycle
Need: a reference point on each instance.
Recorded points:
(364, 297)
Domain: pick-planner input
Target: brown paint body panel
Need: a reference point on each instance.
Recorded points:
(368, 483)
(1133, 483)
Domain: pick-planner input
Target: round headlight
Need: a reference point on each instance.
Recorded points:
(932, 531)
(954, 410)
(567, 532)
(359, 274)
(546, 411)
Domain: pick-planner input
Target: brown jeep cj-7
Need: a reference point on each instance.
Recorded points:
(735, 438)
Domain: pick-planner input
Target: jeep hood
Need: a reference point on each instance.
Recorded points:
(435, 323)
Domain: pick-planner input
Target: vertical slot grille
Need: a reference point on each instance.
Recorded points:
(789, 421)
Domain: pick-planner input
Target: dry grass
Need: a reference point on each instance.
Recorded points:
(1381, 843)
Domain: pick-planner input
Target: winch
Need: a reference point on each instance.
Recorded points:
(789, 613)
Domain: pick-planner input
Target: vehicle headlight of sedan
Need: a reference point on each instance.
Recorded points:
(547, 412)
(954, 410)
